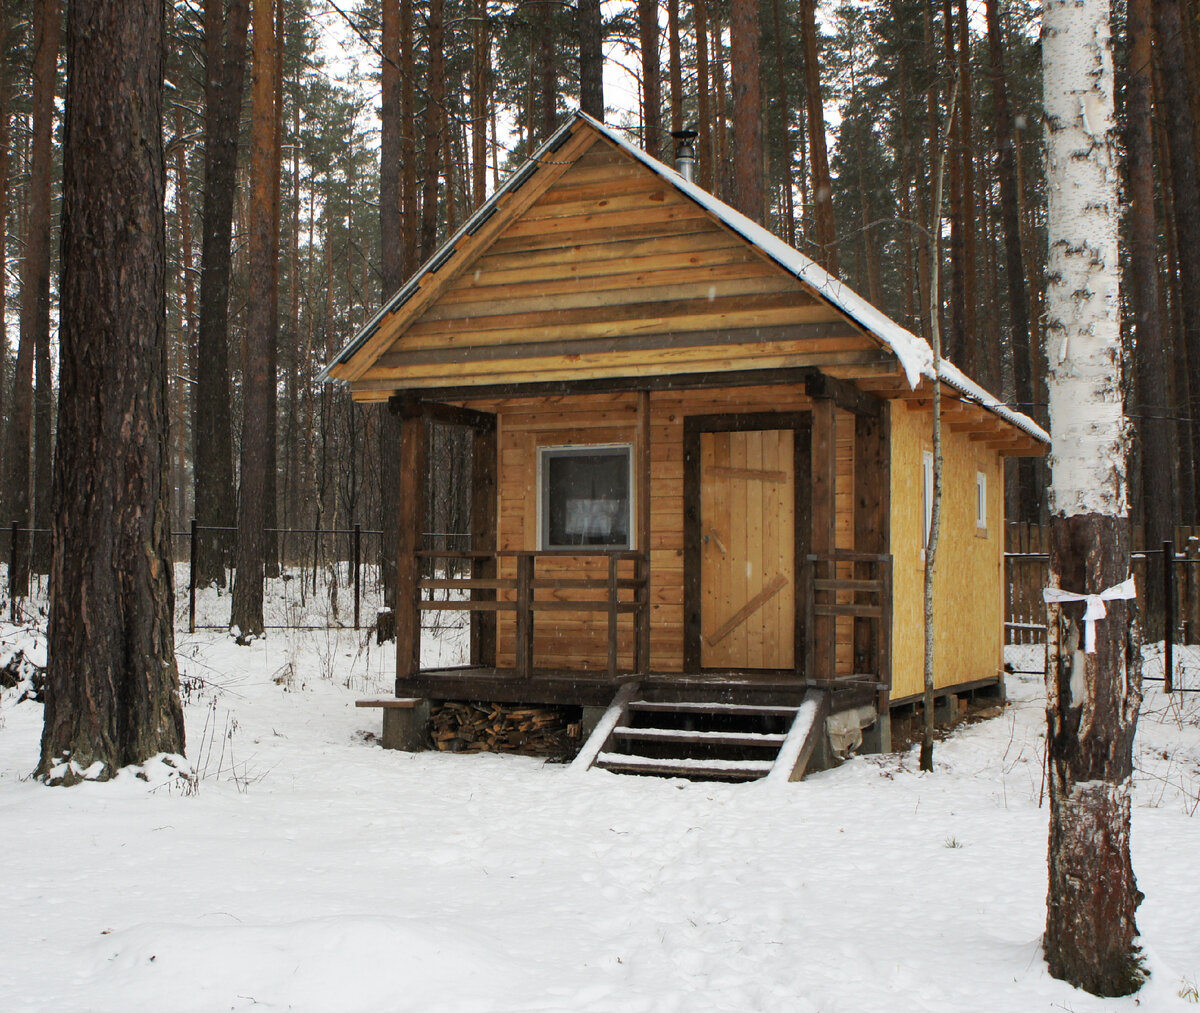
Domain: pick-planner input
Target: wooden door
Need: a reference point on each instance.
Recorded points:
(747, 555)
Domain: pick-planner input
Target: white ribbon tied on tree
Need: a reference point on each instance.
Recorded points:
(1095, 606)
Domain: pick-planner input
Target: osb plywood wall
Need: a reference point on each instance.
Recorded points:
(579, 640)
(969, 592)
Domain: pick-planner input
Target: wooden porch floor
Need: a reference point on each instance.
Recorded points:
(596, 689)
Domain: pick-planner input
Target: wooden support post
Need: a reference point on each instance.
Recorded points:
(641, 661)
(1168, 550)
(195, 542)
(483, 539)
(524, 659)
(613, 563)
(872, 515)
(414, 452)
(824, 520)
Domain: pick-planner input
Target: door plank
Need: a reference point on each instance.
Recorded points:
(777, 584)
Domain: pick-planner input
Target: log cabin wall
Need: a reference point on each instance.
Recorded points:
(575, 640)
(969, 594)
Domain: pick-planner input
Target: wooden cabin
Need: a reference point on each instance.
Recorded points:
(701, 465)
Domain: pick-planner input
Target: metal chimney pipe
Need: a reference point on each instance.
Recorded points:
(685, 153)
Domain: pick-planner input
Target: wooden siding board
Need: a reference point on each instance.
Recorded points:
(969, 596)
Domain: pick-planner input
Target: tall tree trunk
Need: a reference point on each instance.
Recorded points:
(391, 234)
(721, 147)
(704, 148)
(1014, 260)
(408, 146)
(1093, 691)
(956, 346)
(212, 435)
(975, 357)
(674, 65)
(246, 614)
(434, 125)
(271, 498)
(1156, 428)
(591, 58)
(747, 109)
(784, 103)
(5, 163)
(651, 75)
(187, 333)
(822, 185)
(547, 80)
(35, 285)
(481, 54)
(112, 694)
(1185, 186)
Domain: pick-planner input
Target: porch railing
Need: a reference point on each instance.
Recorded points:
(619, 595)
(858, 586)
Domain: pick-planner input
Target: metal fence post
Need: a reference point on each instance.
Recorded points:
(12, 566)
(1168, 550)
(357, 571)
(192, 578)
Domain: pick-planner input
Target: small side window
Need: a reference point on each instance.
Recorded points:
(981, 521)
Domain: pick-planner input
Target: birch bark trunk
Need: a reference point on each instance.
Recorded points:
(1092, 696)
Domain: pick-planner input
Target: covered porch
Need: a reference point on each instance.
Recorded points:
(572, 626)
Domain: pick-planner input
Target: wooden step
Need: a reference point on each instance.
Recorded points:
(619, 763)
(700, 738)
(713, 707)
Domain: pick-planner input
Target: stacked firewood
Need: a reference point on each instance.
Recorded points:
(553, 732)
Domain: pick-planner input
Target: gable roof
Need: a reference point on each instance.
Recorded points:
(914, 354)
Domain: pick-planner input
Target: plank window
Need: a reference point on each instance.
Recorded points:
(981, 522)
(585, 497)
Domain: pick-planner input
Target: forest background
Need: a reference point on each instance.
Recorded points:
(853, 103)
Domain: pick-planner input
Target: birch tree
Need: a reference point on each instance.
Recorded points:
(1093, 675)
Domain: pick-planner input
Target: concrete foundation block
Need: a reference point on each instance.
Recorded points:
(878, 738)
(406, 727)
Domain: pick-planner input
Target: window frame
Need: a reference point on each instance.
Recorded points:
(981, 511)
(545, 453)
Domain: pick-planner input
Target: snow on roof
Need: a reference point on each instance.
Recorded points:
(912, 352)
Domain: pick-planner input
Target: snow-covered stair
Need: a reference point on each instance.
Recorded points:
(704, 740)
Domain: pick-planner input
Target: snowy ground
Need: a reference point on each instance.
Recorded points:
(311, 870)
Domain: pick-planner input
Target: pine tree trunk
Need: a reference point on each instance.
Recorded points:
(481, 53)
(5, 163)
(246, 615)
(975, 357)
(391, 233)
(112, 695)
(822, 185)
(651, 88)
(747, 109)
(1018, 304)
(434, 125)
(1185, 186)
(675, 66)
(271, 498)
(956, 344)
(1092, 695)
(1155, 428)
(783, 101)
(591, 58)
(35, 287)
(212, 433)
(704, 144)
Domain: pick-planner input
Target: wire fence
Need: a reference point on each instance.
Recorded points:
(315, 578)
